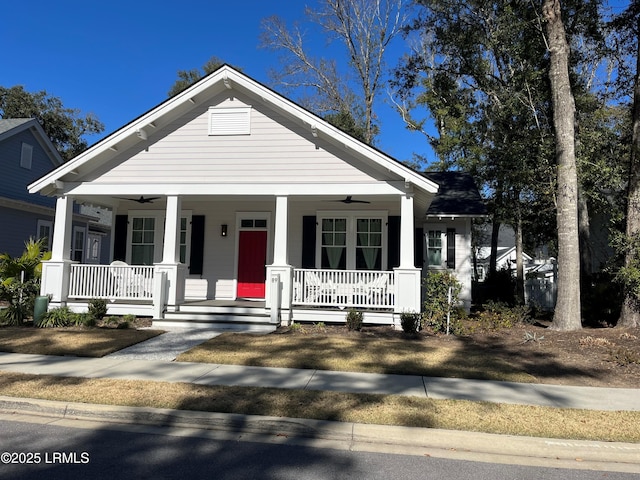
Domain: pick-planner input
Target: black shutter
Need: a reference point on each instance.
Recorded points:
(451, 248)
(418, 248)
(120, 238)
(196, 259)
(309, 241)
(393, 242)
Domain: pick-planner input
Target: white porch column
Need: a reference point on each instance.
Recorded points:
(171, 252)
(407, 276)
(175, 271)
(61, 245)
(280, 273)
(56, 272)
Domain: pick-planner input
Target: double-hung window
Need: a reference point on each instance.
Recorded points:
(146, 237)
(352, 240)
(441, 247)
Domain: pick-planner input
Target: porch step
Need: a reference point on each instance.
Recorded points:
(191, 316)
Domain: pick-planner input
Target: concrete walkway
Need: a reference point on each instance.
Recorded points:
(131, 367)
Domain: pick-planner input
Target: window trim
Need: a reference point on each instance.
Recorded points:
(352, 217)
(447, 248)
(159, 229)
(47, 224)
(26, 156)
(82, 249)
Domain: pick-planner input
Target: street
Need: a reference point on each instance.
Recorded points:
(97, 451)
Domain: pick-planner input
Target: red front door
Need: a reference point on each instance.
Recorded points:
(252, 257)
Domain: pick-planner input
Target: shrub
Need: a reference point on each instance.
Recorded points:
(97, 308)
(498, 315)
(437, 306)
(20, 281)
(83, 319)
(354, 320)
(57, 317)
(410, 322)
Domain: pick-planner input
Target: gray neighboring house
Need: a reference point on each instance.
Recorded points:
(26, 154)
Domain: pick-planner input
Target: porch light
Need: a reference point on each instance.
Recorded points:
(223, 230)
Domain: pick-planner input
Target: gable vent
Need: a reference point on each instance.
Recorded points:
(230, 121)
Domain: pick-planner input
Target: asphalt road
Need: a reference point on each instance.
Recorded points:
(81, 450)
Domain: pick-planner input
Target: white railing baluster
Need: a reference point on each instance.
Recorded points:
(111, 282)
(343, 288)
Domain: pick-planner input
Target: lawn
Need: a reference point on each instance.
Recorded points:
(583, 358)
(77, 341)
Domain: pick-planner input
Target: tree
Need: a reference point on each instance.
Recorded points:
(629, 23)
(186, 78)
(567, 312)
(477, 70)
(65, 127)
(365, 28)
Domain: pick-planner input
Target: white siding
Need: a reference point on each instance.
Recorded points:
(277, 150)
(219, 267)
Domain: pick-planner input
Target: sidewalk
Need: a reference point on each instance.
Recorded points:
(153, 360)
(125, 367)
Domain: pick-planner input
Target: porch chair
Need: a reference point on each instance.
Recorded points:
(126, 283)
(377, 291)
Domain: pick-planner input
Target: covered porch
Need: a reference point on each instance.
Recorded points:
(290, 290)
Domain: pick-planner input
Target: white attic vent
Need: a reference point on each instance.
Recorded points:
(230, 121)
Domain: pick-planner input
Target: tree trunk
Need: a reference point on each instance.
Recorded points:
(519, 263)
(629, 315)
(567, 312)
(493, 256)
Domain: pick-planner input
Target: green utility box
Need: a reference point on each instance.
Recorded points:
(40, 308)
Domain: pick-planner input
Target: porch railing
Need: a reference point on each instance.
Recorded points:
(343, 288)
(111, 282)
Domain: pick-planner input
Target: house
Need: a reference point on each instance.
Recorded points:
(232, 202)
(26, 153)
(540, 271)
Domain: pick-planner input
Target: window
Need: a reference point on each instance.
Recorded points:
(77, 244)
(334, 243)
(369, 244)
(441, 248)
(183, 240)
(146, 237)
(230, 121)
(45, 231)
(434, 248)
(26, 156)
(352, 241)
(143, 241)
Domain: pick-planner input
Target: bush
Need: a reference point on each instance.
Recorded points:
(498, 315)
(437, 306)
(98, 308)
(354, 320)
(20, 281)
(57, 317)
(83, 319)
(410, 322)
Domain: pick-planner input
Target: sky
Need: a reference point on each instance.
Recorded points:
(118, 59)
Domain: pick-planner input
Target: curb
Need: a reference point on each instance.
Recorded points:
(470, 446)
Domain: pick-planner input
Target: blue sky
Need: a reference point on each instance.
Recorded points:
(118, 59)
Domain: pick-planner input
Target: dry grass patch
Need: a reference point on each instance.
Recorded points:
(355, 354)
(77, 341)
(345, 407)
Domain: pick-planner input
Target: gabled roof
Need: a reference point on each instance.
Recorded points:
(458, 196)
(12, 126)
(223, 79)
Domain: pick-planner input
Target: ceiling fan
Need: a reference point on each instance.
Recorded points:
(141, 199)
(349, 199)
